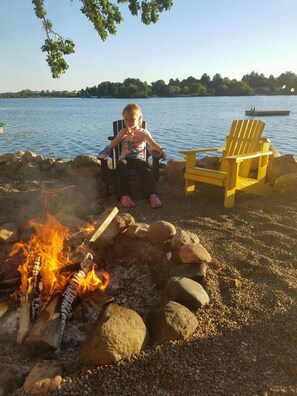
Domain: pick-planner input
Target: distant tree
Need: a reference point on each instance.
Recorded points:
(134, 88)
(288, 81)
(221, 90)
(173, 90)
(256, 80)
(239, 88)
(185, 90)
(175, 82)
(159, 88)
(217, 80)
(103, 14)
(107, 89)
(205, 80)
(197, 89)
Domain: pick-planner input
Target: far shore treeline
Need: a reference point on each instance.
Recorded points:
(250, 84)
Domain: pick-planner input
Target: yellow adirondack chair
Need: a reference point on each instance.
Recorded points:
(243, 145)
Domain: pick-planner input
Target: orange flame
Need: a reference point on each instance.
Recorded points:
(92, 282)
(48, 243)
(89, 228)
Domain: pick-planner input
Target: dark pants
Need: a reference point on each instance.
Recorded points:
(144, 171)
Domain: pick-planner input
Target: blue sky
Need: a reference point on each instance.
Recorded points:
(230, 37)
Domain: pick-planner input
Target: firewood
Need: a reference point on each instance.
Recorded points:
(29, 302)
(37, 286)
(69, 294)
(25, 319)
(103, 222)
(10, 282)
(45, 333)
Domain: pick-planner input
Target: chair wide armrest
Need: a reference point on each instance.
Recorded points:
(185, 152)
(242, 157)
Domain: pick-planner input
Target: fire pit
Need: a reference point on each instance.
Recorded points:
(48, 287)
(142, 267)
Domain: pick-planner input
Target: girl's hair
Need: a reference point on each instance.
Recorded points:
(134, 109)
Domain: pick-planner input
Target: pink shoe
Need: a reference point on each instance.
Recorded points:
(155, 201)
(127, 201)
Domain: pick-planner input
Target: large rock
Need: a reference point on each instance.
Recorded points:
(86, 165)
(187, 292)
(45, 377)
(209, 162)
(160, 231)
(194, 271)
(281, 166)
(194, 253)
(174, 171)
(286, 185)
(137, 230)
(182, 238)
(118, 333)
(171, 322)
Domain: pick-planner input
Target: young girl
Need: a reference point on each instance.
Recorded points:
(133, 140)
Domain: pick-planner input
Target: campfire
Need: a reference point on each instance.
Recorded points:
(49, 285)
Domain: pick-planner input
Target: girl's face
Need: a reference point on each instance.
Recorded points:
(131, 120)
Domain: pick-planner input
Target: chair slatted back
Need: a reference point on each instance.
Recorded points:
(244, 138)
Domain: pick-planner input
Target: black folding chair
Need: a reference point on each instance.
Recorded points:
(108, 165)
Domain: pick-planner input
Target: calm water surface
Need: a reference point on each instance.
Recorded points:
(66, 128)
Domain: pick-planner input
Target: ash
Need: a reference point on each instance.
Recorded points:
(132, 284)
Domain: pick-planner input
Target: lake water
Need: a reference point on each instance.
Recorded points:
(65, 128)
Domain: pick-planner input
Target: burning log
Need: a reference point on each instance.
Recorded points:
(29, 299)
(85, 239)
(71, 290)
(37, 286)
(47, 331)
(46, 292)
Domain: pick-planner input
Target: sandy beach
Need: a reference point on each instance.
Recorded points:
(245, 343)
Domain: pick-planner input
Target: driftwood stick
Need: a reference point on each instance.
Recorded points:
(103, 222)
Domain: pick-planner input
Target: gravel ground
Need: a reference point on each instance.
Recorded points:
(246, 341)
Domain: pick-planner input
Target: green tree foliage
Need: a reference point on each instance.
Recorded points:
(288, 81)
(159, 88)
(104, 15)
(255, 80)
(205, 80)
(285, 84)
(239, 88)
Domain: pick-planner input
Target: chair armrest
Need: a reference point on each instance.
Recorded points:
(153, 153)
(185, 152)
(104, 154)
(242, 157)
